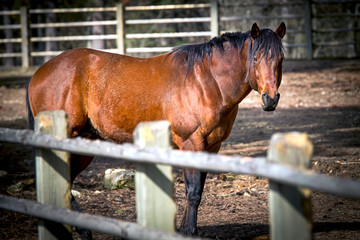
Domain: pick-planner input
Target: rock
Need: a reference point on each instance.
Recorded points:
(3, 174)
(22, 185)
(16, 187)
(119, 178)
(76, 193)
(29, 182)
(246, 194)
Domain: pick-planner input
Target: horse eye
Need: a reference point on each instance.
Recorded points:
(255, 59)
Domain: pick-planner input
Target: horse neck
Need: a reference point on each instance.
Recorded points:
(229, 70)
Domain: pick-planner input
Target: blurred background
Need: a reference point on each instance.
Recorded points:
(319, 95)
(32, 32)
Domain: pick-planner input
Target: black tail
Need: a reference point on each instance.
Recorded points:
(31, 124)
(30, 114)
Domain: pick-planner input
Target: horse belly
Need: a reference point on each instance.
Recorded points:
(116, 119)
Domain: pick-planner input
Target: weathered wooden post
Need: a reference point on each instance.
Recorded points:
(53, 173)
(120, 41)
(214, 15)
(25, 38)
(290, 206)
(154, 184)
(308, 29)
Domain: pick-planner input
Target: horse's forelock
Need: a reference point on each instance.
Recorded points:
(268, 43)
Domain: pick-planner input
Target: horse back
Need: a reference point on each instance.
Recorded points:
(102, 89)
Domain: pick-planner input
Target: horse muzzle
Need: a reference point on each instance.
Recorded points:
(269, 104)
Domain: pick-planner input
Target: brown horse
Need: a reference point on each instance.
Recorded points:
(195, 87)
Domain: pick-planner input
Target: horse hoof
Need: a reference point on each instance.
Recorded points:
(189, 231)
(85, 234)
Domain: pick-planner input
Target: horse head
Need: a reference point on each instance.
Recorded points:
(265, 57)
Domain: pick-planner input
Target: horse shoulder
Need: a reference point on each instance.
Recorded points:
(222, 131)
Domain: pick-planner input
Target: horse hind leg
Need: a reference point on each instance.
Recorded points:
(86, 130)
(84, 233)
(78, 164)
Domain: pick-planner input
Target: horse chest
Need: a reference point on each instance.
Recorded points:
(222, 129)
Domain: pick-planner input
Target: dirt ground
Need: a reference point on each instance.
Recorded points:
(321, 98)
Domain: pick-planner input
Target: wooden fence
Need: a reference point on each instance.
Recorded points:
(286, 167)
(306, 37)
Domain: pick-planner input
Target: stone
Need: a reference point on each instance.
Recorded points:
(76, 194)
(3, 174)
(119, 178)
(16, 187)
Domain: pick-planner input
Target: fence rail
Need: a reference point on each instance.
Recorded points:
(72, 10)
(167, 7)
(285, 166)
(302, 37)
(86, 221)
(204, 161)
(74, 24)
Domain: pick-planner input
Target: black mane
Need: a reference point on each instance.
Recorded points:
(193, 53)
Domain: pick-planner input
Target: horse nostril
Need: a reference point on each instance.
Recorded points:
(265, 98)
(277, 97)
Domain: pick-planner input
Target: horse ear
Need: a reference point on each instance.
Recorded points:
(255, 31)
(281, 30)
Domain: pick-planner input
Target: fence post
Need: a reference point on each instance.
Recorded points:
(356, 25)
(290, 206)
(154, 183)
(214, 15)
(308, 29)
(53, 173)
(25, 39)
(120, 41)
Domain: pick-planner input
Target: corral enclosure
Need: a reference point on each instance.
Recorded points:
(318, 97)
(31, 35)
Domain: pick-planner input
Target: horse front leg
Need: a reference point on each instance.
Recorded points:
(194, 184)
